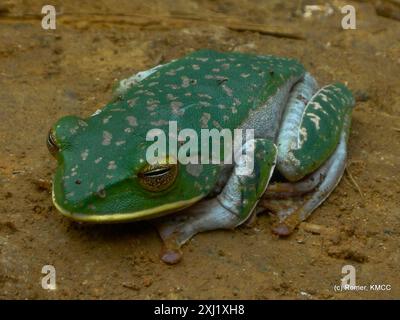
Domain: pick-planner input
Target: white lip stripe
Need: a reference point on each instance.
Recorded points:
(129, 216)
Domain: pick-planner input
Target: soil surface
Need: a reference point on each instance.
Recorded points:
(46, 74)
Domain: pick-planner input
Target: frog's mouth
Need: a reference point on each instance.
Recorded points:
(127, 216)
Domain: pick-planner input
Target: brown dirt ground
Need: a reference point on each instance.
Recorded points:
(71, 70)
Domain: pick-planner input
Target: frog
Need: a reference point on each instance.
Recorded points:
(299, 147)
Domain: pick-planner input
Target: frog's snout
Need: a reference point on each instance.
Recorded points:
(60, 139)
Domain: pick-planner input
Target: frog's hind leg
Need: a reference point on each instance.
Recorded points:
(311, 129)
(233, 206)
(312, 141)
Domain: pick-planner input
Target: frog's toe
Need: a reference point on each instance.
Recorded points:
(282, 230)
(171, 254)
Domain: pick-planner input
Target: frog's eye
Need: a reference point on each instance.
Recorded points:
(52, 143)
(158, 177)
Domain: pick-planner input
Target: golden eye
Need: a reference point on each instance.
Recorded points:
(158, 177)
(52, 143)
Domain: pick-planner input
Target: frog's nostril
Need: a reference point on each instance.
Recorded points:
(78, 181)
(66, 128)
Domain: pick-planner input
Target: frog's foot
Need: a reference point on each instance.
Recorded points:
(286, 190)
(294, 202)
(233, 206)
(178, 229)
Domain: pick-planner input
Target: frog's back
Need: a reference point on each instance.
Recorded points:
(206, 89)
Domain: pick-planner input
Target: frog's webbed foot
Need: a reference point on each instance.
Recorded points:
(178, 229)
(294, 202)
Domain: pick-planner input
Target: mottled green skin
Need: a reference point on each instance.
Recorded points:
(103, 153)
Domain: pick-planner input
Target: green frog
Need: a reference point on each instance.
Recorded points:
(298, 147)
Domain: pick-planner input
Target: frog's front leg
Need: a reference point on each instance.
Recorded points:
(230, 208)
(314, 143)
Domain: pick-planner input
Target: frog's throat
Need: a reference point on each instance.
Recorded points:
(128, 216)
